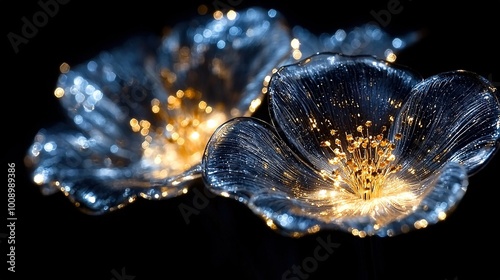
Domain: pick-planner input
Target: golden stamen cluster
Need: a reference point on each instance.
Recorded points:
(364, 161)
(189, 123)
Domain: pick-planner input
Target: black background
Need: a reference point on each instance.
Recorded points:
(151, 240)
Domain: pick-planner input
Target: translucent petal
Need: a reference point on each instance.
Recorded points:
(389, 216)
(149, 106)
(245, 157)
(245, 160)
(226, 60)
(119, 100)
(329, 95)
(360, 129)
(366, 39)
(103, 94)
(452, 116)
(96, 177)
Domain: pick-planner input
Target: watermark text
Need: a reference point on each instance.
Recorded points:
(31, 25)
(11, 218)
(321, 253)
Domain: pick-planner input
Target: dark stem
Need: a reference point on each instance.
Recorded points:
(370, 258)
(376, 256)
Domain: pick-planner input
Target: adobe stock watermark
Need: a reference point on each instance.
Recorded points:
(121, 275)
(31, 25)
(309, 265)
(221, 5)
(384, 16)
(200, 202)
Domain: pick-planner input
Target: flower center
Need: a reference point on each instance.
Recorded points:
(180, 143)
(364, 161)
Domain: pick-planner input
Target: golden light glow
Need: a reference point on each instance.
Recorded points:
(314, 229)
(155, 105)
(295, 43)
(296, 53)
(421, 224)
(365, 164)
(64, 68)
(189, 117)
(391, 57)
(442, 216)
(218, 15)
(271, 224)
(231, 15)
(38, 179)
(59, 92)
(179, 145)
(255, 104)
(365, 180)
(267, 78)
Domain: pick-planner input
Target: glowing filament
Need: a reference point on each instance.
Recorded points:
(177, 146)
(365, 162)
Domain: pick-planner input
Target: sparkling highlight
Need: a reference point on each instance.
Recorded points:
(366, 162)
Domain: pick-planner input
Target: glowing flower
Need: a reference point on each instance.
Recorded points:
(142, 113)
(356, 144)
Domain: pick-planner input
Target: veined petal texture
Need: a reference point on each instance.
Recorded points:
(296, 200)
(140, 114)
(453, 116)
(226, 58)
(246, 160)
(357, 144)
(329, 93)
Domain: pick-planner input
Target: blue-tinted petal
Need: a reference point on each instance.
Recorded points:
(296, 217)
(452, 116)
(159, 100)
(366, 39)
(103, 94)
(226, 59)
(245, 160)
(329, 94)
(439, 195)
(96, 177)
